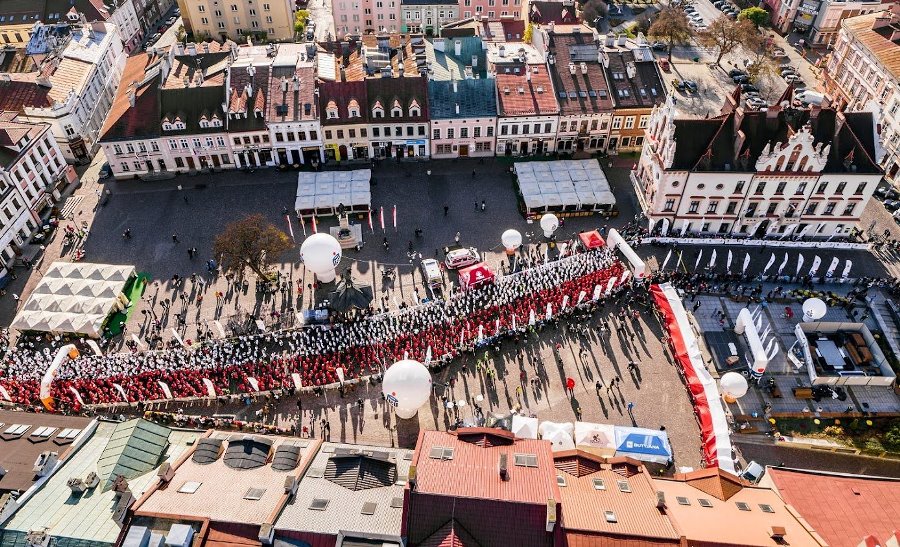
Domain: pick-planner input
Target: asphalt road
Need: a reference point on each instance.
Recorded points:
(766, 453)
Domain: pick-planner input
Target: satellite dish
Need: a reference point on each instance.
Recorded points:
(814, 309)
(549, 223)
(733, 386)
(321, 253)
(407, 386)
(511, 240)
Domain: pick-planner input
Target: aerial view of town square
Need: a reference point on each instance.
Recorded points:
(449, 273)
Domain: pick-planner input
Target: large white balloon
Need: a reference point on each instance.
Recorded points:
(814, 309)
(511, 240)
(321, 253)
(549, 223)
(733, 386)
(407, 385)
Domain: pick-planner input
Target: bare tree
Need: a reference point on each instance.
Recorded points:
(670, 26)
(252, 242)
(726, 35)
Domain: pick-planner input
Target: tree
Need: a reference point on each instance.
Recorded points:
(762, 66)
(726, 35)
(252, 242)
(529, 32)
(180, 33)
(755, 15)
(301, 16)
(670, 26)
(594, 11)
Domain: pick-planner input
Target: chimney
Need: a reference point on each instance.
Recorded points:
(131, 98)
(249, 90)
(527, 75)
(502, 50)
(552, 25)
(631, 70)
(266, 533)
(457, 47)
(457, 108)
(192, 49)
(778, 533)
(165, 473)
(621, 40)
(284, 84)
(571, 68)
(610, 40)
(504, 469)
(551, 514)
(296, 83)
(660, 500)
(584, 68)
(474, 61)
(455, 88)
(251, 70)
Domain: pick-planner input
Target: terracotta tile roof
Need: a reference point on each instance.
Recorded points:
(528, 94)
(843, 509)
(584, 505)
(878, 41)
(747, 518)
(21, 90)
(229, 534)
(586, 91)
(714, 482)
(450, 534)
(292, 93)
(143, 120)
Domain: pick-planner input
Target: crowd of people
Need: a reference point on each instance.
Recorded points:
(361, 347)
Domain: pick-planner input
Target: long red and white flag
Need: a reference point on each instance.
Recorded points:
(314, 227)
(303, 225)
(290, 227)
(381, 217)
(395, 217)
(371, 229)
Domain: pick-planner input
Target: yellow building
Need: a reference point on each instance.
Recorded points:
(266, 20)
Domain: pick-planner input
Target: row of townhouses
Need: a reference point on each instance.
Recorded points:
(218, 105)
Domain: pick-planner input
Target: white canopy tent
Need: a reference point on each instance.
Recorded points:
(559, 434)
(597, 438)
(564, 185)
(320, 193)
(75, 298)
(524, 427)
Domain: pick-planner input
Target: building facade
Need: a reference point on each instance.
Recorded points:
(528, 114)
(818, 20)
(863, 73)
(32, 170)
(293, 117)
(427, 16)
(82, 82)
(491, 9)
(636, 88)
(585, 106)
(270, 20)
(463, 118)
(398, 117)
(776, 173)
(358, 17)
(344, 120)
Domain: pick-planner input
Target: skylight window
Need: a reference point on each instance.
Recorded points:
(560, 480)
(766, 508)
(624, 486)
(318, 504)
(254, 494)
(683, 500)
(742, 506)
(610, 516)
(526, 460)
(440, 453)
(599, 484)
(704, 502)
(190, 487)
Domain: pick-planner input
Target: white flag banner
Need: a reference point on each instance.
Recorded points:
(565, 302)
(581, 296)
(549, 315)
(769, 264)
(532, 318)
(626, 275)
(832, 267)
(799, 264)
(666, 260)
(684, 227)
(428, 356)
(96, 348)
(712, 260)
(340, 374)
(78, 395)
(211, 389)
(597, 291)
(165, 389)
(610, 284)
(815, 266)
(697, 263)
(774, 352)
(5, 394)
(783, 264)
(665, 227)
(836, 231)
(497, 327)
(121, 391)
(298, 382)
(255, 385)
(847, 267)
(480, 333)
(137, 341)
(746, 264)
(514, 326)
(728, 262)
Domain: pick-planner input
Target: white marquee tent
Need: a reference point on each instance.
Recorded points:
(75, 298)
(320, 193)
(564, 185)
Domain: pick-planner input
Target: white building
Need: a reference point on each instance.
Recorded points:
(863, 73)
(293, 117)
(777, 173)
(81, 84)
(32, 167)
(427, 16)
(528, 114)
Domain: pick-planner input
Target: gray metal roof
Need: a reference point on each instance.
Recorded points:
(475, 98)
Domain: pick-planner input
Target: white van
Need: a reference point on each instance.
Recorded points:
(809, 97)
(431, 271)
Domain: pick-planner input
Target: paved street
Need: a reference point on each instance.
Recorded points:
(320, 13)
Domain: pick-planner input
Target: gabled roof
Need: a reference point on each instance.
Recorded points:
(21, 91)
(445, 64)
(526, 90)
(586, 90)
(403, 90)
(451, 534)
(713, 481)
(248, 86)
(584, 504)
(641, 89)
(134, 448)
(292, 92)
(877, 32)
(142, 77)
(342, 93)
(856, 506)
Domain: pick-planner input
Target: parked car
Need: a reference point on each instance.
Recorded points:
(892, 205)
(786, 71)
(886, 192)
(755, 102)
(792, 78)
(171, 21)
(660, 46)
(691, 86)
(753, 472)
(431, 271)
(736, 72)
(809, 97)
(749, 87)
(460, 258)
(741, 79)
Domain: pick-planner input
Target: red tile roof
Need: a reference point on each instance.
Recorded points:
(142, 120)
(21, 91)
(843, 509)
(282, 93)
(527, 93)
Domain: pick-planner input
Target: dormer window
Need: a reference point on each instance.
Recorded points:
(215, 121)
(353, 109)
(414, 110)
(396, 110)
(331, 111)
(378, 110)
(167, 126)
(204, 123)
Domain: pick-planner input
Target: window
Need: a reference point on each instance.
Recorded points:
(760, 188)
(117, 148)
(376, 131)
(464, 132)
(179, 162)
(860, 189)
(693, 207)
(766, 508)
(266, 7)
(801, 188)
(340, 133)
(547, 127)
(770, 210)
(780, 188)
(840, 188)
(184, 143)
(526, 129)
(629, 122)
(560, 480)
(617, 122)
(732, 207)
(525, 460)
(739, 187)
(173, 144)
(643, 123)
(683, 500)
(624, 486)
(821, 188)
(599, 484)
(451, 132)
(711, 208)
(377, 111)
(742, 506)
(201, 8)
(252, 12)
(477, 131)
(829, 209)
(610, 516)
(811, 208)
(436, 134)
(670, 205)
(704, 502)
(233, 7)
(440, 453)
(849, 209)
